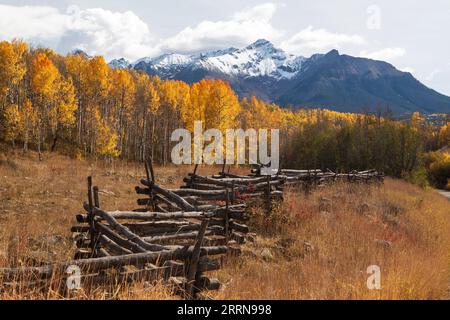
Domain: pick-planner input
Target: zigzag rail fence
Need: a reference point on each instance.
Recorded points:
(177, 235)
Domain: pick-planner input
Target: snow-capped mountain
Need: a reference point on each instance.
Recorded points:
(332, 80)
(120, 63)
(260, 59)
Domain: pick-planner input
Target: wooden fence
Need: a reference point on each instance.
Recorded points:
(176, 235)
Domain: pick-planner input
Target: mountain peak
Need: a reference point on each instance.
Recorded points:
(80, 52)
(333, 53)
(121, 63)
(260, 43)
(331, 80)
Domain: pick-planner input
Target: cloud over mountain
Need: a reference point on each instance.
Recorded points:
(115, 34)
(97, 31)
(242, 28)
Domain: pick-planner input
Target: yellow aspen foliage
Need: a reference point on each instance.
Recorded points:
(214, 103)
(444, 135)
(122, 90)
(106, 139)
(174, 94)
(43, 76)
(147, 93)
(29, 117)
(51, 99)
(63, 112)
(12, 64)
(416, 120)
(76, 69)
(13, 122)
(95, 77)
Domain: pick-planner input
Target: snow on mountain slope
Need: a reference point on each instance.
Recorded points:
(333, 80)
(119, 64)
(258, 59)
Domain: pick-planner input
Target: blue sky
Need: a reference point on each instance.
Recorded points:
(412, 35)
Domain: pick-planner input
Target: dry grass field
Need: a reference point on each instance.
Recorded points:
(315, 246)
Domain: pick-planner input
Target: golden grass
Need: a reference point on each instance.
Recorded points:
(325, 255)
(312, 247)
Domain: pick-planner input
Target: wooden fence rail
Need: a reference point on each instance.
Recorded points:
(177, 235)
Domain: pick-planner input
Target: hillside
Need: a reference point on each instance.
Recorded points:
(301, 251)
(338, 82)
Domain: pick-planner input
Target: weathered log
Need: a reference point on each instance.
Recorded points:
(79, 229)
(205, 264)
(204, 282)
(144, 202)
(215, 240)
(223, 182)
(150, 230)
(160, 215)
(227, 182)
(201, 186)
(294, 171)
(239, 227)
(173, 206)
(175, 267)
(183, 204)
(102, 252)
(159, 208)
(199, 193)
(126, 232)
(182, 236)
(112, 246)
(87, 280)
(239, 238)
(118, 239)
(81, 218)
(158, 197)
(80, 254)
(83, 243)
(97, 264)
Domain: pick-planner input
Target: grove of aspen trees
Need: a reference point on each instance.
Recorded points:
(79, 106)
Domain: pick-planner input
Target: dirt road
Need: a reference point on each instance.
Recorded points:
(445, 193)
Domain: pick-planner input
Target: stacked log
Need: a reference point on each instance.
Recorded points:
(179, 231)
(176, 235)
(309, 178)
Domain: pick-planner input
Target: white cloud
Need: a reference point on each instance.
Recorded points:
(385, 54)
(123, 34)
(113, 34)
(310, 41)
(243, 28)
(97, 31)
(263, 12)
(31, 22)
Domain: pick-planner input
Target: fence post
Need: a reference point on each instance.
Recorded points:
(151, 179)
(193, 262)
(91, 214)
(268, 190)
(227, 219)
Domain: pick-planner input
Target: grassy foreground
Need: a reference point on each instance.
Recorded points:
(315, 246)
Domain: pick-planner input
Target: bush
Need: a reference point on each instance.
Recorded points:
(418, 176)
(438, 169)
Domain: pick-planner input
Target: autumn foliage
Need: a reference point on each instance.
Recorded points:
(79, 105)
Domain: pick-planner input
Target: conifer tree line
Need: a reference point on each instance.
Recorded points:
(78, 105)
